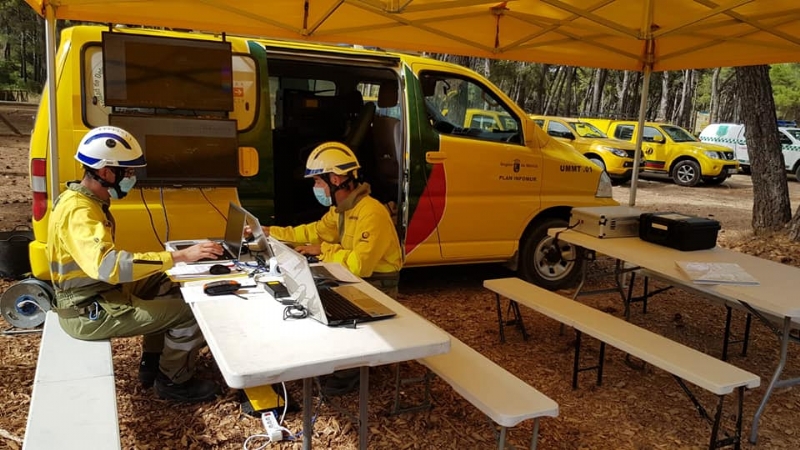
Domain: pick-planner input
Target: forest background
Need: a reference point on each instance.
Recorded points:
(689, 98)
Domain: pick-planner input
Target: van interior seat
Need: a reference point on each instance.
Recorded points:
(359, 120)
(387, 133)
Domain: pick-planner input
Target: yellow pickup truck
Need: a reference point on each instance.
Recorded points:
(613, 155)
(671, 150)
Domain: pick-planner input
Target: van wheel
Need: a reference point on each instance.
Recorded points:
(546, 263)
(797, 173)
(713, 181)
(686, 173)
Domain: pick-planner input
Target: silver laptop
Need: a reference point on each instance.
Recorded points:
(232, 242)
(338, 306)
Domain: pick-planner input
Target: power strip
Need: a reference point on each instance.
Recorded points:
(274, 430)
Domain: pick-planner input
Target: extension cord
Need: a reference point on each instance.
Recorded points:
(272, 426)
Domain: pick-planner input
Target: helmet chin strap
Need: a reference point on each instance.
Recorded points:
(333, 188)
(119, 174)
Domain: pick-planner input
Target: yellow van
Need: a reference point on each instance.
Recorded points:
(671, 150)
(462, 194)
(613, 155)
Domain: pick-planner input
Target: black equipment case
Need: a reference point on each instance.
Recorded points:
(678, 231)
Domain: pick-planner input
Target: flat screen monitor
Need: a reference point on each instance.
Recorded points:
(158, 72)
(184, 151)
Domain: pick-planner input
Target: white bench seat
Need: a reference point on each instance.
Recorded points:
(74, 403)
(499, 394)
(683, 362)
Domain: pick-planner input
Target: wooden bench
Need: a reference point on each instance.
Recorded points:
(74, 403)
(682, 362)
(496, 392)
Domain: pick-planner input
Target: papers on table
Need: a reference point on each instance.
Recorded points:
(716, 273)
(186, 272)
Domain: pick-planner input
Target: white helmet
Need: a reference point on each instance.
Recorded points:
(332, 157)
(109, 147)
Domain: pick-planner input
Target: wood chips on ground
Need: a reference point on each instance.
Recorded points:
(633, 409)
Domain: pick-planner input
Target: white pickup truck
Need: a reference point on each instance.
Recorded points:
(732, 136)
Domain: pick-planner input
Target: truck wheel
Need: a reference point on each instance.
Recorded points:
(549, 264)
(686, 173)
(797, 173)
(597, 161)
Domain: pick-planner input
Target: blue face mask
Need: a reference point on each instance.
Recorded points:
(125, 186)
(323, 198)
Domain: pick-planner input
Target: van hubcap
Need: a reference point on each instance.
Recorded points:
(554, 262)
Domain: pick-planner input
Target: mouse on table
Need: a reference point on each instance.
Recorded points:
(219, 269)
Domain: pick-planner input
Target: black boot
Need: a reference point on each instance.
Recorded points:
(192, 391)
(148, 368)
(340, 382)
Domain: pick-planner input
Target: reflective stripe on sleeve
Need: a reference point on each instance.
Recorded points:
(125, 265)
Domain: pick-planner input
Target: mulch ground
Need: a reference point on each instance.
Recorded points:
(633, 409)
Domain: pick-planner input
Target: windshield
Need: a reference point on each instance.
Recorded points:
(586, 130)
(678, 134)
(795, 132)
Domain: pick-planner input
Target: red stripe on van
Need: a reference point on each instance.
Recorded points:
(429, 210)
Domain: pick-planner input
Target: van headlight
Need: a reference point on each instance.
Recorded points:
(616, 151)
(713, 155)
(603, 186)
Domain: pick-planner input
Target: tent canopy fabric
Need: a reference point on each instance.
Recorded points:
(614, 34)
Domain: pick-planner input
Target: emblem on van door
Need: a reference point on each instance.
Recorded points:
(516, 165)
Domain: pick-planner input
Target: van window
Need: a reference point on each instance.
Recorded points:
(95, 112)
(557, 129)
(795, 132)
(448, 99)
(785, 140)
(677, 134)
(315, 88)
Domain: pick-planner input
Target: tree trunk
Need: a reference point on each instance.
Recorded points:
(713, 109)
(597, 91)
(622, 92)
(663, 104)
(771, 209)
(568, 92)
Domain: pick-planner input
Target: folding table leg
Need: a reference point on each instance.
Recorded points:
(308, 425)
(535, 438)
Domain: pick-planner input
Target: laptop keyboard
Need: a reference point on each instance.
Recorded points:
(338, 307)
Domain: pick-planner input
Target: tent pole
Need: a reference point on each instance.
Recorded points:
(50, 44)
(642, 112)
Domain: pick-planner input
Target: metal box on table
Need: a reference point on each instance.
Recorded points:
(606, 221)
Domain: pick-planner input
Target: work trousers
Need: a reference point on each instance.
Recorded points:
(154, 309)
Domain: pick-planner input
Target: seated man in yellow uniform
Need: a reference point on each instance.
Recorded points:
(357, 231)
(103, 291)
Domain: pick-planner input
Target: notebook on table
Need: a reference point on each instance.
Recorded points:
(231, 243)
(335, 306)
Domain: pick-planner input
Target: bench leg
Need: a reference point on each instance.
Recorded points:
(576, 368)
(715, 442)
(501, 441)
(535, 438)
(513, 308)
(727, 335)
(399, 382)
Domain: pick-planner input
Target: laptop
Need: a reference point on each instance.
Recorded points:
(334, 306)
(231, 244)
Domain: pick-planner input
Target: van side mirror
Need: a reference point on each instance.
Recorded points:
(529, 128)
(568, 135)
(248, 161)
(658, 139)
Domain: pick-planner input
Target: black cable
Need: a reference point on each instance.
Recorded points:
(150, 215)
(164, 208)
(295, 311)
(213, 205)
(554, 245)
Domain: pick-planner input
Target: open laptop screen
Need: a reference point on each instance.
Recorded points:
(234, 229)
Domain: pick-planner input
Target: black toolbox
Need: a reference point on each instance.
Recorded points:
(678, 230)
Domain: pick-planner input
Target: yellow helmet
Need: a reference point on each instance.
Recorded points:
(332, 157)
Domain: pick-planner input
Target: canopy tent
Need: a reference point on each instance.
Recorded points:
(641, 35)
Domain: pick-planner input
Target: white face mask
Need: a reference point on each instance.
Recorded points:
(125, 186)
(323, 198)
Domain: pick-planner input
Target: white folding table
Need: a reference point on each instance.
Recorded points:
(775, 296)
(253, 345)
